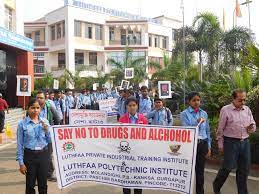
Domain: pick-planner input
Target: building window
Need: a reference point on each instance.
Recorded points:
(61, 60)
(53, 33)
(79, 58)
(59, 31)
(164, 42)
(123, 37)
(156, 41)
(88, 31)
(78, 29)
(39, 68)
(64, 28)
(150, 41)
(137, 38)
(37, 36)
(93, 58)
(130, 37)
(98, 32)
(111, 33)
(8, 18)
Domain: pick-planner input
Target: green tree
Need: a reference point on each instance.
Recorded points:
(233, 46)
(207, 38)
(44, 83)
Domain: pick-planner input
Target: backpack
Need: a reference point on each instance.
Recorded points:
(49, 113)
(167, 113)
(61, 105)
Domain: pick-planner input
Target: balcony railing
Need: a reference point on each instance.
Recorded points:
(125, 42)
(58, 68)
(39, 43)
(39, 69)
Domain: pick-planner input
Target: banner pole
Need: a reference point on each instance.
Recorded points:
(23, 102)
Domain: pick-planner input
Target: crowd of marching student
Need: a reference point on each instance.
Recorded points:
(34, 150)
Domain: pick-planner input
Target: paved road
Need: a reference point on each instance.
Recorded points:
(12, 182)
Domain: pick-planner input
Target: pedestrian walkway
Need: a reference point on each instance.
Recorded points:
(12, 119)
(11, 181)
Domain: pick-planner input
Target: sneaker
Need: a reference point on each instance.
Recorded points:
(52, 179)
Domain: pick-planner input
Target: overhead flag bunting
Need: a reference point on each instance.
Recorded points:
(238, 10)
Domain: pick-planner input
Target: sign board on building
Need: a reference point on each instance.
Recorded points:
(112, 12)
(16, 40)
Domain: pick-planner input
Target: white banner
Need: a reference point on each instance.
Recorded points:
(132, 156)
(85, 117)
(107, 105)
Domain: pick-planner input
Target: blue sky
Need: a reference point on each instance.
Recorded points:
(34, 9)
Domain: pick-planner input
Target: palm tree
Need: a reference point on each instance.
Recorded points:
(139, 65)
(234, 44)
(44, 83)
(207, 37)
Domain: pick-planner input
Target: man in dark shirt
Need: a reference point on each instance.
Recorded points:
(3, 107)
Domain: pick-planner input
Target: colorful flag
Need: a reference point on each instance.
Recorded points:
(238, 10)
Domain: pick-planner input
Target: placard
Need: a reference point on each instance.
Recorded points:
(23, 85)
(129, 73)
(84, 117)
(124, 84)
(164, 89)
(56, 84)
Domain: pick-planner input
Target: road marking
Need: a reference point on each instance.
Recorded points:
(7, 145)
(231, 174)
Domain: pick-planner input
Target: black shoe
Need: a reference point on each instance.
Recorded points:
(214, 190)
(52, 179)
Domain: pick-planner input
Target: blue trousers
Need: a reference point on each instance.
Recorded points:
(236, 156)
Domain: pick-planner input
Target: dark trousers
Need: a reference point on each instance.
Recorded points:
(50, 161)
(236, 156)
(37, 168)
(136, 191)
(202, 150)
(2, 120)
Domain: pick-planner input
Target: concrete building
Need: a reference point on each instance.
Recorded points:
(81, 34)
(15, 50)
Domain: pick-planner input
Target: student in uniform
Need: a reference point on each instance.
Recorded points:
(194, 116)
(133, 117)
(145, 102)
(33, 137)
(161, 115)
(120, 103)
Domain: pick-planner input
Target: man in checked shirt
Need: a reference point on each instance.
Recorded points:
(236, 123)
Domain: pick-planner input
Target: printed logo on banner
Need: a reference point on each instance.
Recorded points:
(68, 147)
(124, 147)
(174, 150)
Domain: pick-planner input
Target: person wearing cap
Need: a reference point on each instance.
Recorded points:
(3, 106)
(161, 115)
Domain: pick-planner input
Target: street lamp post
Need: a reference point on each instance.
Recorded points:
(247, 3)
(184, 57)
